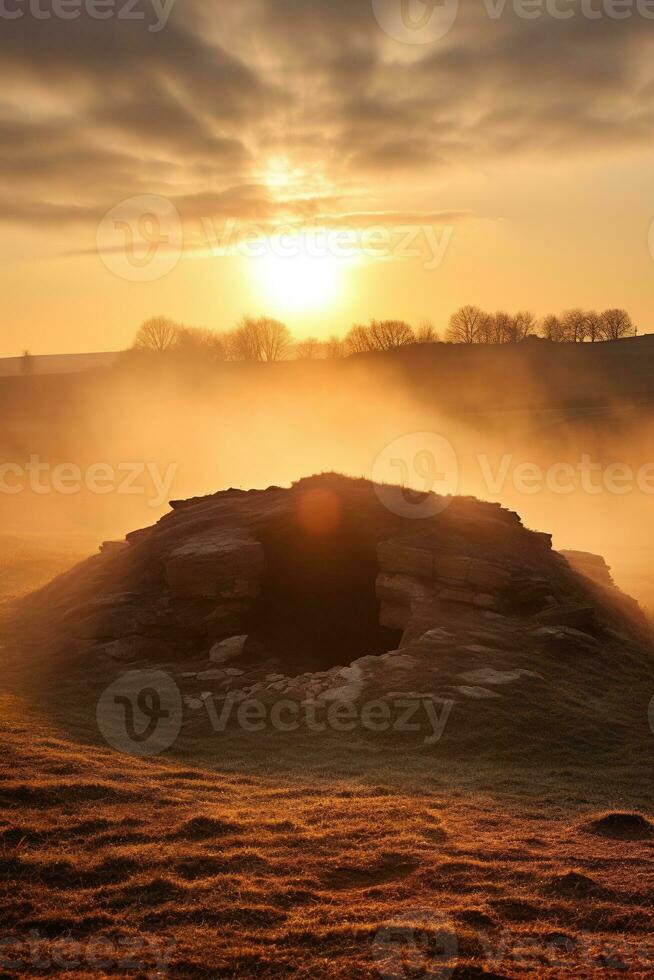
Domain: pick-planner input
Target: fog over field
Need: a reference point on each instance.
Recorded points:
(582, 470)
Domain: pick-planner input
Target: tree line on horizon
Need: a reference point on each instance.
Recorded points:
(471, 325)
(262, 339)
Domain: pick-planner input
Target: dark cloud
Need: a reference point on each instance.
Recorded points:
(98, 111)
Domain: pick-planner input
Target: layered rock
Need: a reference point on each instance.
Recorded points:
(595, 569)
(414, 571)
(470, 588)
(592, 566)
(225, 563)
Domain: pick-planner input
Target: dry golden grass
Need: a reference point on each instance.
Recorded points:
(325, 857)
(113, 864)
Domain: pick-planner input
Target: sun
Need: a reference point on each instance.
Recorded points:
(299, 282)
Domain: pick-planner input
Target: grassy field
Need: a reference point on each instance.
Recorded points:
(325, 856)
(383, 868)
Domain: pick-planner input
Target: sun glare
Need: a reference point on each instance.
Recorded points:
(299, 282)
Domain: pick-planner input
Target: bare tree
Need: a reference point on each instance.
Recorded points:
(389, 334)
(358, 339)
(276, 339)
(427, 333)
(262, 339)
(243, 342)
(553, 328)
(616, 324)
(575, 326)
(199, 343)
(335, 347)
(379, 335)
(157, 334)
(308, 349)
(489, 330)
(26, 364)
(522, 325)
(496, 329)
(465, 325)
(593, 326)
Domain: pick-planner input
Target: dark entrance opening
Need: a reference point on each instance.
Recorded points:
(318, 606)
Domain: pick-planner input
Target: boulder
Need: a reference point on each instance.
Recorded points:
(350, 690)
(226, 650)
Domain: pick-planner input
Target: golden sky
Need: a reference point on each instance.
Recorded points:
(324, 161)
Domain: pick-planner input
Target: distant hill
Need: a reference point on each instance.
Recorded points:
(533, 374)
(58, 363)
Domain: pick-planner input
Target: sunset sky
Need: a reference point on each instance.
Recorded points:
(524, 146)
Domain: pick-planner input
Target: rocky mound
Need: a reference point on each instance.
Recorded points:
(321, 592)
